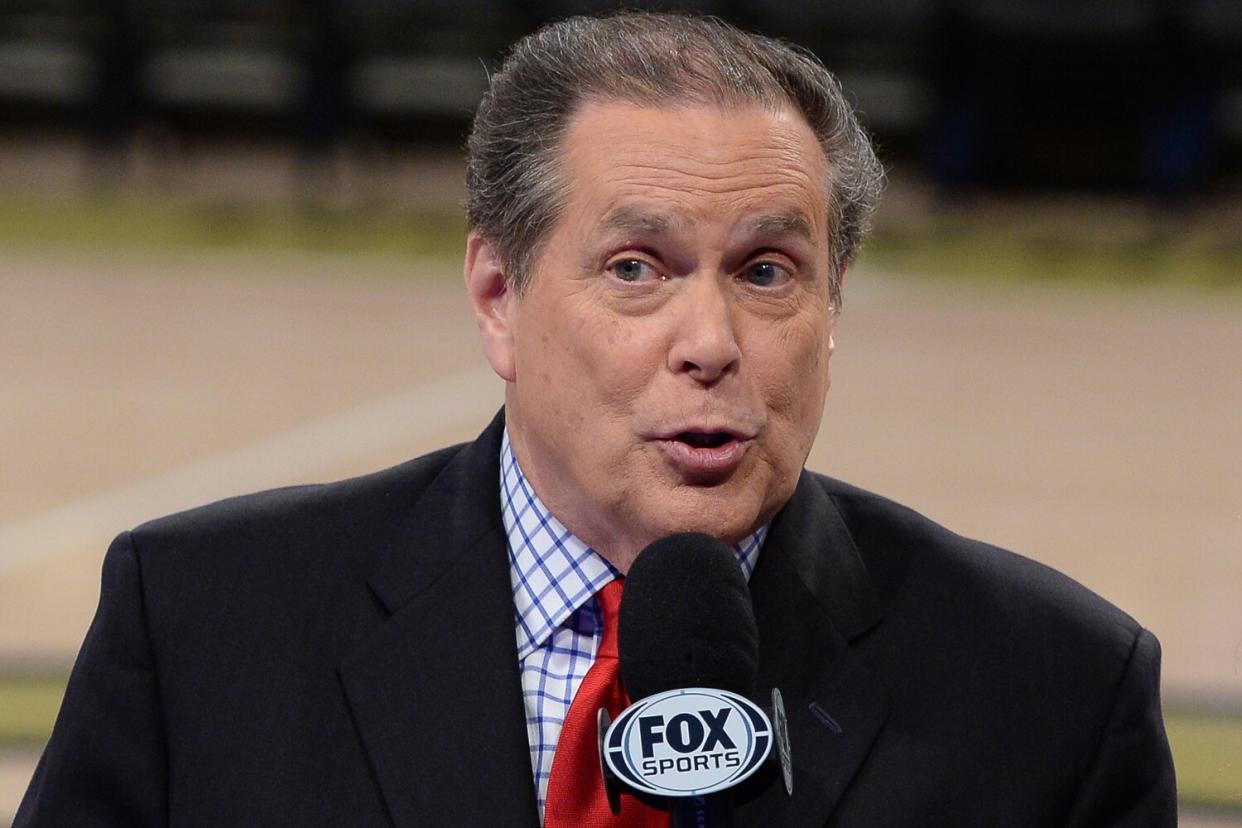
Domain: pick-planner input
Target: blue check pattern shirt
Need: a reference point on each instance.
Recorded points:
(557, 620)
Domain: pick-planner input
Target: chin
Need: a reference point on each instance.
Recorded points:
(723, 518)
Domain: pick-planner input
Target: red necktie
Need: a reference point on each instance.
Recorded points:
(576, 797)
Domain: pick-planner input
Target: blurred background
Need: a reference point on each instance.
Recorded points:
(230, 240)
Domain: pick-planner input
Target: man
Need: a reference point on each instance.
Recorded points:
(662, 213)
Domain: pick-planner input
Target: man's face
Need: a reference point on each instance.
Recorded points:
(668, 363)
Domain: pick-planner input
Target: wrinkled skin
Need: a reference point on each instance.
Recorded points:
(667, 366)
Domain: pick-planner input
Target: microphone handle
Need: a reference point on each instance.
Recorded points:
(711, 811)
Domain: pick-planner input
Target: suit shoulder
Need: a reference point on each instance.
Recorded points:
(908, 554)
(304, 509)
(981, 649)
(274, 569)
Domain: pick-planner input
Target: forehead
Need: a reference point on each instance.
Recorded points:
(696, 162)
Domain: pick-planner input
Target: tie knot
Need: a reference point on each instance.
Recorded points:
(609, 604)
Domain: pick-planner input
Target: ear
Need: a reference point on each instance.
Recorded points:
(492, 304)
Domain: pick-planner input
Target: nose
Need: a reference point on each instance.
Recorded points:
(704, 343)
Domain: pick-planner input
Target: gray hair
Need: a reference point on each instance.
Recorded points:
(514, 192)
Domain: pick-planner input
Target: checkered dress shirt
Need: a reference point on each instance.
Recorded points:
(558, 621)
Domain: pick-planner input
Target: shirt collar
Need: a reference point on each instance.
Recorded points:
(553, 572)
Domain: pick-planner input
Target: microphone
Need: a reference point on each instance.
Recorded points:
(688, 647)
(686, 619)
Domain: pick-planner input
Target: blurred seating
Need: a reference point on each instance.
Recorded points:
(424, 60)
(881, 50)
(1070, 94)
(982, 92)
(43, 64)
(231, 62)
(558, 9)
(1214, 27)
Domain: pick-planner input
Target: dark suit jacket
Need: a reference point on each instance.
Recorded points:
(344, 655)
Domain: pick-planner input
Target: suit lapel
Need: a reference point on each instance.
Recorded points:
(812, 597)
(435, 692)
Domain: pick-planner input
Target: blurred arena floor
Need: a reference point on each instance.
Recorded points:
(1095, 429)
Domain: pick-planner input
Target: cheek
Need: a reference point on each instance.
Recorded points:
(593, 367)
(795, 384)
(798, 365)
(623, 357)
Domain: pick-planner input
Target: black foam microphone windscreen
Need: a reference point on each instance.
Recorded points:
(686, 619)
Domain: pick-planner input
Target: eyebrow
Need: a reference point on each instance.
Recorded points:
(634, 220)
(781, 224)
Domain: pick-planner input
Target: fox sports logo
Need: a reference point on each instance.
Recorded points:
(688, 742)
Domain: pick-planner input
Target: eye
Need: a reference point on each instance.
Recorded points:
(633, 270)
(766, 274)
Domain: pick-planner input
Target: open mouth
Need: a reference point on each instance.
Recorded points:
(705, 456)
(701, 439)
